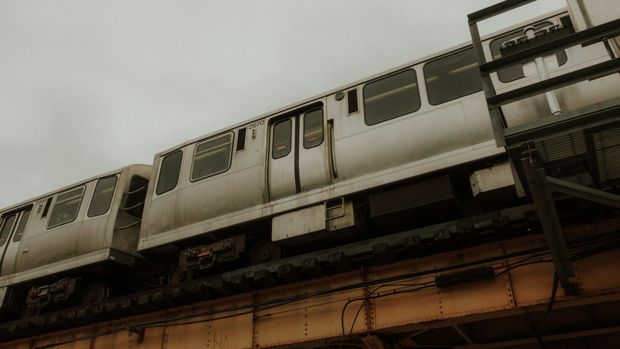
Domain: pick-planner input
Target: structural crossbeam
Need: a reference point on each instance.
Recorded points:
(606, 113)
(583, 192)
(593, 71)
(496, 9)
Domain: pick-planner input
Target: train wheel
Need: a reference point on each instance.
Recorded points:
(265, 251)
(29, 311)
(177, 276)
(95, 292)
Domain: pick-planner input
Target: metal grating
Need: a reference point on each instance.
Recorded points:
(563, 147)
(565, 157)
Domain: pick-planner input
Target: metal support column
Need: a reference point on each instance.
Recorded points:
(518, 138)
(548, 216)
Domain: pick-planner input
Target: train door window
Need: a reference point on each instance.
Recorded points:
(390, 97)
(102, 197)
(21, 226)
(5, 229)
(515, 72)
(281, 145)
(212, 157)
(313, 128)
(452, 76)
(169, 172)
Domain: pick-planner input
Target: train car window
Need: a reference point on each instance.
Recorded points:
(21, 226)
(169, 172)
(281, 145)
(212, 157)
(390, 97)
(515, 72)
(352, 101)
(102, 197)
(452, 76)
(313, 128)
(66, 207)
(7, 225)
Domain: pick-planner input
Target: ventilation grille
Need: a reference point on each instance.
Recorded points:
(567, 157)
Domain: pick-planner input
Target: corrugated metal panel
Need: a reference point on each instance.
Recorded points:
(562, 147)
(606, 148)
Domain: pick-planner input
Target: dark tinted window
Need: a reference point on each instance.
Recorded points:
(102, 197)
(212, 157)
(391, 97)
(281, 139)
(169, 172)
(47, 207)
(515, 72)
(66, 207)
(241, 139)
(22, 225)
(313, 128)
(452, 76)
(7, 225)
(352, 101)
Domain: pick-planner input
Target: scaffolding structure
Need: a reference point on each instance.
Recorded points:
(523, 142)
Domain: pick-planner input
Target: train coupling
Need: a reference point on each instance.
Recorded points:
(206, 256)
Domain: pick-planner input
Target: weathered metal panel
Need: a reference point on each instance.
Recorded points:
(300, 222)
(599, 272)
(320, 318)
(310, 319)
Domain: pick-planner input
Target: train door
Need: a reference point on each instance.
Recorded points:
(298, 156)
(11, 231)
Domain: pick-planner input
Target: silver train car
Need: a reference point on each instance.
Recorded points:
(410, 143)
(387, 146)
(50, 242)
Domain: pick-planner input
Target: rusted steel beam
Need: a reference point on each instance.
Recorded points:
(403, 299)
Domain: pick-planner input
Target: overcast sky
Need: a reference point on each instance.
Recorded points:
(90, 86)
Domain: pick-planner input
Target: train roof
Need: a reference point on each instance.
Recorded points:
(109, 173)
(360, 81)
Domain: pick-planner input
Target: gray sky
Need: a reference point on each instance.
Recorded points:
(91, 86)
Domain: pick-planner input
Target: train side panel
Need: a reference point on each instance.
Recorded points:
(411, 139)
(193, 203)
(73, 223)
(425, 117)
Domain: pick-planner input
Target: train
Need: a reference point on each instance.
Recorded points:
(403, 148)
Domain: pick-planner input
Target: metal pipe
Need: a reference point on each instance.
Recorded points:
(541, 67)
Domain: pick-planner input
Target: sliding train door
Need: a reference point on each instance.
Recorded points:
(12, 228)
(298, 156)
